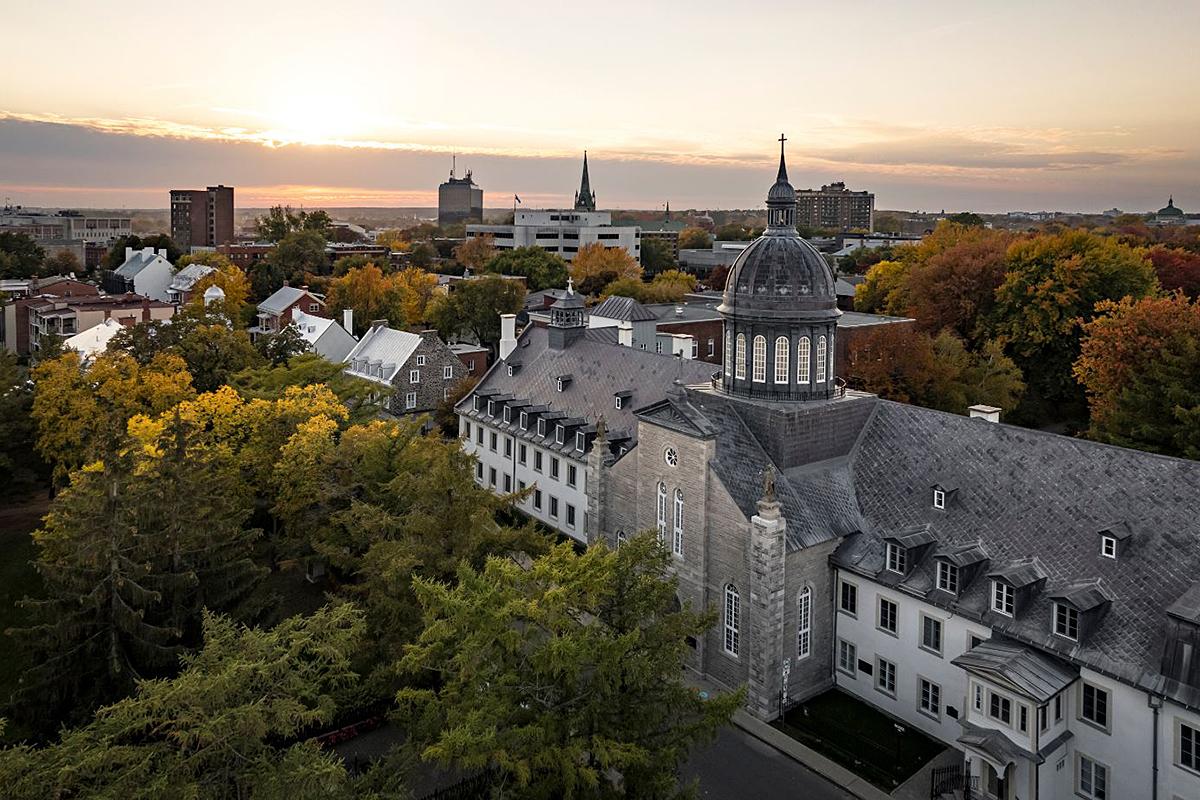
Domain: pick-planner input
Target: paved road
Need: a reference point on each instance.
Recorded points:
(739, 767)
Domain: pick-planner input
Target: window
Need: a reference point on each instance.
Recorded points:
(479, 471)
(559, 430)
(617, 401)
(491, 408)
(506, 414)
(661, 512)
(522, 453)
(1003, 598)
(541, 428)
(570, 516)
(847, 657)
(978, 697)
(1187, 753)
(410, 400)
(781, 359)
(479, 434)
(947, 577)
(537, 499)
(475, 402)
(695, 348)
(420, 361)
(1066, 621)
(821, 359)
(1058, 704)
(1000, 708)
(677, 527)
(621, 538)
(974, 641)
(508, 443)
(558, 384)
(849, 599)
(524, 420)
(1022, 718)
(885, 676)
(1043, 719)
(760, 360)
(888, 616)
(492, 441)
(658, 347)
(580, 441)
(939, 498)
(739, 362)
(804, 623)
(554, 464)
(712, 347)
(733, 619)
(572, 474)
(1093, 779)
(897, 558)
(728, 354)
(802, 353)
(447, 373)
(1108, 547)
(931, 698)
(507, 482)
(521, 486)
(671, 456)
(1093, 706)
(931, 634)
(553, 506)
(492, 477)
(414, 376)
(537, 460)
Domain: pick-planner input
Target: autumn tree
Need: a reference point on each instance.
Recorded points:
(227, 276)
(1177, 269)
(476, 252)
(370, 294)
(885, 290)
(445, 415)
(297, 255)
(541, 270)
(955, 288)
(695, 239)
(564, 676)
(64, 262)
(1050, 290)
(474, 307)
(416, 289)
(421, 254)
(280, 222)
(667, 287)
(230, 725)
(595, 266)
(393, 239)
(272, 381)
(20, 466)
(1139, 363)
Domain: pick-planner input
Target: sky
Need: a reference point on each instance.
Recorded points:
(963, 105)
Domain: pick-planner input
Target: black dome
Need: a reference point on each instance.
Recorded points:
(780, 276)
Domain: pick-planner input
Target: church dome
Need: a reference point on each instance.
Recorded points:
(779, 277)
(1170, 209)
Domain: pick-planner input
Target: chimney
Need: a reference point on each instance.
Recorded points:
(145, 309)
(128, 253)
(508, 334)
(162, 251)
(625, 337)
(989, 413)
(348, 320)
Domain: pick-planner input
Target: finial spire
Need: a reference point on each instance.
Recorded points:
(570, 285)
(585, 199)
(782, 176)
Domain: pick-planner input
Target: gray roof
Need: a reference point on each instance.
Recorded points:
(282, 299)
(686, 312)
(381, 353)
(844, 287)
(856, 319)
(186, 278)
(625, 309)
(598, 369)
(998, 747)
(1028, 671)
(137, 261)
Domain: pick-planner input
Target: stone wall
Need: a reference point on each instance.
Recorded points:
(431, 389)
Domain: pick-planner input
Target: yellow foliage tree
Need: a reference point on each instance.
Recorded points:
(394, 239)
(475, 252)
(595, 266)
(369, 293)
(228, 277)
(416, 288)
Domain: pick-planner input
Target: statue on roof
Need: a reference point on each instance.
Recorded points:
(768, 495)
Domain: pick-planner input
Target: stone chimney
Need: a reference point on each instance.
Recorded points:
(508, 334)
(348, 320)
(980, 411)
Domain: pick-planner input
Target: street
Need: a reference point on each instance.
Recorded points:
(739, 767)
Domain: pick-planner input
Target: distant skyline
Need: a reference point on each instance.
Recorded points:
(930, 104)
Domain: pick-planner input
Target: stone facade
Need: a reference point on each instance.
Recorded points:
(433, 385)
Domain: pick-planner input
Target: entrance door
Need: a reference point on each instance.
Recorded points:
(995, 783)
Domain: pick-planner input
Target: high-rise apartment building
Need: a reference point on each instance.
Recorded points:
(202, 217)
(834, 206)
(459, 200)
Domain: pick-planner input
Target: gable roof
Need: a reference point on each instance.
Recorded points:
(381, 353)
(283, 299)
(186, 278)
(625, 309)
(138, 260)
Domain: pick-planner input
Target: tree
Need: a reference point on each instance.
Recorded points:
(81, 411)
(695, 239)
(1176, 269)
(667, 287)
(272, 381)
(657, 256)
(280, 348)
(541, 270)
(20, 466)
(415, 289)
(955, 288)
(1051, 289)
(595, 266)
(734, 232)
(227, 276)
(476, 252)
(888, 223)
(475, 307)
(885, 290)
(421, 254)
(299, 253)
(968, 218)
(227, 727)
(115, 256)
(565, 677)
(1139, 363)
(20, 256)
(63, 262)
(280, 222)
(214, 352)
(370, 294)
(346, 263)
(444, 415)
(394, 239)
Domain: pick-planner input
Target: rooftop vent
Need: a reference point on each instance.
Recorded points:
(980, 411)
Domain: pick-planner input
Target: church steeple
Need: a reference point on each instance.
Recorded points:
(781, 199)
(585, 199)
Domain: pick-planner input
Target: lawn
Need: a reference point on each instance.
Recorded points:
(18, 579)
(859, 738)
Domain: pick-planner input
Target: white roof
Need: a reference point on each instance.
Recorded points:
(311, 328)
(95, 339)
(186, 278)
(381, 353)
(138, 260)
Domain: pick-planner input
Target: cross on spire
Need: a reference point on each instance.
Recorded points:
(782, 176)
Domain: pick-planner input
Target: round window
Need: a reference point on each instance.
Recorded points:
(671, 456)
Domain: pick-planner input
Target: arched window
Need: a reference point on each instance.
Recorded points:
(760, 359)
(733, 619)
(620, 537)
(677, 538)
(739, 361)
(821, 360)
(728, 355)
(802, 351)
(832, 374)
(804, 623)
(781, 360)
(662, 512)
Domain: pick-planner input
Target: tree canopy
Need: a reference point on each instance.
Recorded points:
(541, 270)
(596, 266)
(280, 221)
(20, 256)
(695, 239)
(474, 307)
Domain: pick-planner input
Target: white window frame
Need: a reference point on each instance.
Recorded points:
(822, 347)
(727, 356)
(1098, 692)
(558, 384)
(939, 626)
(853, 595)
(617, 402)
(782, 360)
(1069, 617)
(1108, 547)
(897, 558)
(947, 577)
(804, 624)
(739, 362)
(677, 524)
(558, 434)
(929, 697)
(580, 441)
(759, 364)
(939, 499)
(420, 361)
(541, 427)
(885, 669)
(661, 512)
(1087, 770)
(1004, 598)
(733, 620)
(1192, 763)
(506, 414)
(803, 360)
(895, 630)
(410, 400)
(524, 420)
(671, 457)
(847, 652)
(448, 372)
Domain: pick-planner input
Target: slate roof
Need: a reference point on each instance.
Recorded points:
(186, 278)
(1032, 673)
(138, 260)
(282, 299)
(381, 353)
(998, 747)
(598, 368)
(625, 309)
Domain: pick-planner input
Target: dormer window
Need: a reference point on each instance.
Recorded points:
(939, 499)
(558, 434)
(507, 414)
(947, 577)
(524, 421)
(491, 408)
(617, 402)
(897, 558)
(1108, 547)
(510, 370)
(475, 402)
(558, 384)
(541, 427)
(1066, 622)
(580, 441)
(1004, 598)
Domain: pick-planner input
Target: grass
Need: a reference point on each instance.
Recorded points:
(858, 737)
(18, 579)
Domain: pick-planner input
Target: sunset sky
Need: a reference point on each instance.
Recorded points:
(988, 106)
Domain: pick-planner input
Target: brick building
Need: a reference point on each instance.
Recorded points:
(66, 316)
(15, 323)
(202, 217)
(835, 207)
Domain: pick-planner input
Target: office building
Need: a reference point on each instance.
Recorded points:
(835, 207)
(202, 217)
